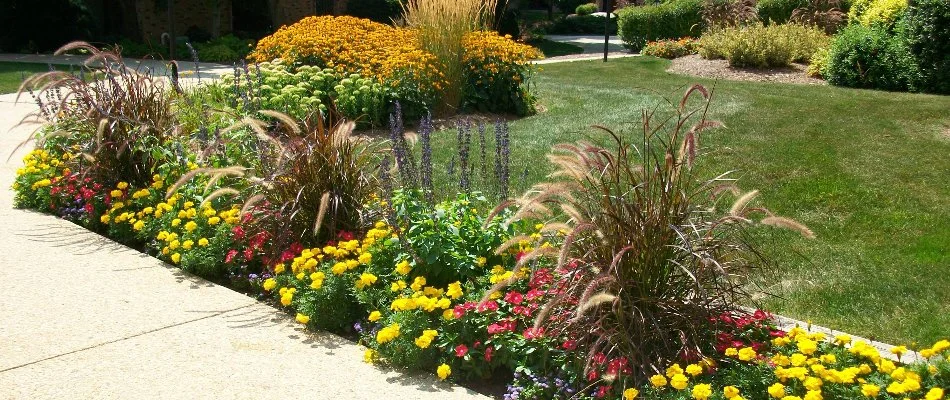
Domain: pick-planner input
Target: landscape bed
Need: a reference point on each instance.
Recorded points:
(425, 260)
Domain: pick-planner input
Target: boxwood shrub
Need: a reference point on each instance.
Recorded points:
(675, 19)
(928, 34)
(872, 58)
(778, 11)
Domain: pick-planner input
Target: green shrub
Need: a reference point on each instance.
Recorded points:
(870, 57)
(226, 48)
(870, 12)
(675, 19)
(586, 9)
(763, 46)
(778, 11)
(819, 63)
(927, 28)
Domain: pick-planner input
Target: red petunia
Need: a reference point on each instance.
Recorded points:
(461, 350)
(514, 297)
(230, 256)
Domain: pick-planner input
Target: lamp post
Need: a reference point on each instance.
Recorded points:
(606, 9)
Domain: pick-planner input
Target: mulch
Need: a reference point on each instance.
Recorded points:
(719, 69)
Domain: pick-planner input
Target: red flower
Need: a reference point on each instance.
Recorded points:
(461, 350)
(488, 306)
(248, 254)
(533, 333)
(287, 255)
(592, 375)
(296, 248)
(488, 353)
(458, 311)
(617, 366)
(534, 294)
(345, 235)
(230, 256)
(600, 358)
(258, 240)
(602, 391)
(514, 297)
(238, 233)
(569, 345)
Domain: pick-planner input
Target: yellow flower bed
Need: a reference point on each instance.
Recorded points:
(351, 45)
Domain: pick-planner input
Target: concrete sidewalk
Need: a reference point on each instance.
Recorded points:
(83, 317)
(186, 69)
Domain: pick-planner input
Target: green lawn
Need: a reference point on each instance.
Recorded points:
(12, 74)
(868, 171)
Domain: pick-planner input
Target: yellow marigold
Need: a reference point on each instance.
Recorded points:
(303, 319)
(658, 381)
(702, 391)
(777, 390)
(679, 381)
(443, 371)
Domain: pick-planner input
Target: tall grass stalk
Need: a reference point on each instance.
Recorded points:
(441, 25)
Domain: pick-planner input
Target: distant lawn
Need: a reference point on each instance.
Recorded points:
(866, 170)
(12, 73)
(553, 49)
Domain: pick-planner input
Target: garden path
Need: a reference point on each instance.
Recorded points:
(84, 317)
(185, 68)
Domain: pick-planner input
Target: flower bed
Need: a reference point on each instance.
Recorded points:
(495, 75)
(598, 300)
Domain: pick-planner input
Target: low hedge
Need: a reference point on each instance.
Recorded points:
(675, 19)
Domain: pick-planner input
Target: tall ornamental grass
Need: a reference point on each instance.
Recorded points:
(442, 24)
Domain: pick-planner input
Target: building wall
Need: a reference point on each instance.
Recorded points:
(290, 11)
(153, 21)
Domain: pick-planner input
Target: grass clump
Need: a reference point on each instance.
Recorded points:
(441, 25)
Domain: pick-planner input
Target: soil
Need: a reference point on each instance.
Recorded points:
(719, 69)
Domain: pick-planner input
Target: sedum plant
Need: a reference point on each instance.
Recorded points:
(647, 260)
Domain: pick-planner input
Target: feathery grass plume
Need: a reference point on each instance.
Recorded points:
(310, 170)
(535, 254)
(511, 242)
(225, 191)
(593, 302)
(497, 211)
(787, 223)
(741, 202)
(322, 212)
(442, 24)
(642, 237)
(136, 108)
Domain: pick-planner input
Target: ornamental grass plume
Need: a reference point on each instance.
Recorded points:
(647, 259)
(117, 121)
(442, 26)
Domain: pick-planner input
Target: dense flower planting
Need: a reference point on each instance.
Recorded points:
(464, 287)
(496, 67)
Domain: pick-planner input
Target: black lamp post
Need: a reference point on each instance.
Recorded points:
(606, 9)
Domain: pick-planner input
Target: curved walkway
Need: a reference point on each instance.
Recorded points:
(85, 318)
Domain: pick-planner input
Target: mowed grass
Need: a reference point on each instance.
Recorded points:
(12, 74)
(868, 171)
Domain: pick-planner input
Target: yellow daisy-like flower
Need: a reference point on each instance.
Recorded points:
(303, 319)
(630, 393)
